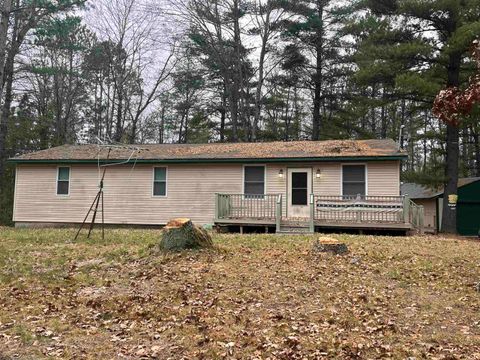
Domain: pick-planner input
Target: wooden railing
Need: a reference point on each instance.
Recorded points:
(278, 213)
(359, 208)
(323, 209)
(241, 206)
(415, 215)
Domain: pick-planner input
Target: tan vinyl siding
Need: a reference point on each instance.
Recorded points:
(330, 181)
(277, 185)
(384, 178)
(190, 190)
(128, 194)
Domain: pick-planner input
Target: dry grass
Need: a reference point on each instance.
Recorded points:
(254, 296)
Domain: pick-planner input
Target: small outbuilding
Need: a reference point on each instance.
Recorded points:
(468, 205)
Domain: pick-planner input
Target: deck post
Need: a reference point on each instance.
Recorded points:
(312, 213)
(420, 219)
(216, 207)
(359, 212)
(406, 210)
(278, 213)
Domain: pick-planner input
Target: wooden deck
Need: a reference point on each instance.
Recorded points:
(338, 212)
(318, 224)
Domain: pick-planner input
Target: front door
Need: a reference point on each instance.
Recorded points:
(299, 190)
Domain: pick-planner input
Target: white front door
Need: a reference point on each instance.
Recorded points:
(299, 190)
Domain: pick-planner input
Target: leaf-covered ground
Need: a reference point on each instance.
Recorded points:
(254, 296)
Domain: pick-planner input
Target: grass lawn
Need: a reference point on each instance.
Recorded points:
(254, 296)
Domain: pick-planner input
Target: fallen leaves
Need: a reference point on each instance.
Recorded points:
(255, 296)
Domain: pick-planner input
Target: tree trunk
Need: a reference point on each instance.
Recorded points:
(476, 143)
(7, 82)
(7, 103)
(326, 244)
(5, 17)
(449, 215)
(180, 234)
(383, 134)
(118, 125)
(223, 111)
(234, 110)
(161, 129)
(317, 79)
(425, 145)
(261, 63)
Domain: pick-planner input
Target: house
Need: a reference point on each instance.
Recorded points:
(304, 185)
(468, 205)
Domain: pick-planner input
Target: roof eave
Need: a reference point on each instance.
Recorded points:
(211, 160)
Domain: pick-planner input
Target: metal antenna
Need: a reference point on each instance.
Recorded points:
(94, 208)
(99, 198)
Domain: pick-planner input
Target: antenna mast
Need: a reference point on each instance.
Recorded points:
(99, 198)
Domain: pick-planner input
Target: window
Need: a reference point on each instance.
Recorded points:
(63, 181)
(299, 188)
(160, 181)
(354, 180)
(254, 181)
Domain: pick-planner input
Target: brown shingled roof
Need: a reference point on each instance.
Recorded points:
(224, 151)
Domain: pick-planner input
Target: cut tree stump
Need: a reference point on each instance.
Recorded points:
(326, 244)
(181, 234)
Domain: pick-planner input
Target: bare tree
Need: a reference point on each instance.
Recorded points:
(267, 17)
(24, 17)
(140, 62)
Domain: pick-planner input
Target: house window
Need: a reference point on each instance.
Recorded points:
(160, 181)
(354, 180)
(254, 181)
(63, 181)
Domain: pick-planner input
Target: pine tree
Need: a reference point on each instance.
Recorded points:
(312, 28)
(424, 42)
(24, 16)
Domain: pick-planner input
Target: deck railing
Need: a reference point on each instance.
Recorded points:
(278, 213)
(415, 216)
(241, 206)
(359, 208)
(324, 209)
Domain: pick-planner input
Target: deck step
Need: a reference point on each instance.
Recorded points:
(294, 230)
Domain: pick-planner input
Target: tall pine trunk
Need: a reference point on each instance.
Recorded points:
(7, 83)
(449, 212)
(5, 16)
(261, 64)
(119, 121)
(223, 112)
(5, 9)
(317, 77)
(476, 144)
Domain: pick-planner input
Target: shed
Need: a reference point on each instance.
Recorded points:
(468, 205)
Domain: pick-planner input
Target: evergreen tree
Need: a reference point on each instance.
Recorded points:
(424, 43)
(312, 28)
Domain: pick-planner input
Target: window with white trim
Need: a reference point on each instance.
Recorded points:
(160, 181)
(254, 181)
(354, 180)
(63, 180)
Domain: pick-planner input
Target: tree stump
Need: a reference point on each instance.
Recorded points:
(326, 244)
(181, 234)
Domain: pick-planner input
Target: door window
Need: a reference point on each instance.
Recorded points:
(299, 188)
